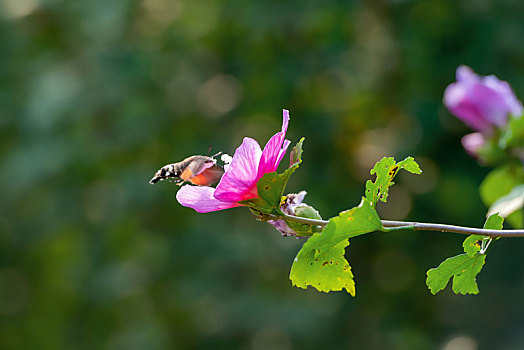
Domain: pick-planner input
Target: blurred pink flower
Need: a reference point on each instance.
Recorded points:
(239, 182)
(473, 142)
(481, 102)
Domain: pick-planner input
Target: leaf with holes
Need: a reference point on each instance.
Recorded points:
(321, 263)
(386, 169)
(326, 270)
(348, 224)
(473, 243)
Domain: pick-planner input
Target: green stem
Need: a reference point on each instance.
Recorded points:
(417, 226)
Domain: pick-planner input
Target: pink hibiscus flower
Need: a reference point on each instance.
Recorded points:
(239, 182)
(483, 103)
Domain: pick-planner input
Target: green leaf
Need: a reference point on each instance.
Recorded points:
(295, 157)
(326, 270)
(499, 183)
(514, 133)
(494, 222)
(321, 263)
(272, 185)
(410, 165)
(465, 281)
(473, 243)
(304, 211)
(307, 211)
(386, 169)
(348, 224)
(270, 188)
(509, 203)
(464, 270)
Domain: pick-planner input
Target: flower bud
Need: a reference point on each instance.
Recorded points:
(473, 142)
(293, 206)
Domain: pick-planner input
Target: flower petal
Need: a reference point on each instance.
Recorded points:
(491, 103)
(273, 151)
(282, 152)
(483, 103)
(464, 105)
(504, 89)
(201, 199)
(473, 142)
(239, 181)
(282, 227)
(466, 75)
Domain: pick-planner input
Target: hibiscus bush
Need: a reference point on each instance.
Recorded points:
(251, 179)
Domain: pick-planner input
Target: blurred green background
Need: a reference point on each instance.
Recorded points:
(96, 95)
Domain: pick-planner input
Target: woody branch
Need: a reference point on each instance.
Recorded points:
(418, 226)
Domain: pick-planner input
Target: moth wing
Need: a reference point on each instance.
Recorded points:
(195, 166)
(208, 177)
(186, 174)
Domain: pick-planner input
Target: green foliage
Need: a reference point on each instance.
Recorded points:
(514, 134)
(472, 244)
(499, 183)
(325, 269)
(307, 212)
(464, 268)
(348, 224)
(304, 211)
(272, 185)
(270, 188)
(494, 222)
(321, 263)
(295, 157)
(96, 95)
(386, 169)
(509, 204)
